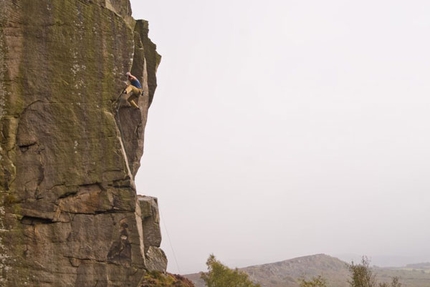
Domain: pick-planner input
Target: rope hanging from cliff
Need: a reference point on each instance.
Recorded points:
(170, 241)
(116, 115)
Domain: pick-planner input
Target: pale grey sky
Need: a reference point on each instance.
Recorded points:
(287, 128)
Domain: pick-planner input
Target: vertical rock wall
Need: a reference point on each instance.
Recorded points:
(70, 146)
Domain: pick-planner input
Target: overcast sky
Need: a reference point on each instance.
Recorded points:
(285, 128)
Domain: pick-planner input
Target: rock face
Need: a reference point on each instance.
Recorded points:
(70, 145)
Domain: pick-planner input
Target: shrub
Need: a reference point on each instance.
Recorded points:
(361, 274)
(219, 275)
(314, 282)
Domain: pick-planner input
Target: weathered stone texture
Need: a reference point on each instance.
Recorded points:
(70, 145)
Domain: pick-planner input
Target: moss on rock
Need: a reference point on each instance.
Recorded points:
(159, 279)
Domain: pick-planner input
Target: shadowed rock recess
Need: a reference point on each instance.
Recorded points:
(70, 147)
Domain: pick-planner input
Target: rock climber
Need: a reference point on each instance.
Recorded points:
(134, 89)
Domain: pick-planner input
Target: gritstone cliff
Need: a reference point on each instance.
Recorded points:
(70, 147)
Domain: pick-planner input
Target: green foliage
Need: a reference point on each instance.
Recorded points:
(314, 282)
(159, 279)
(394, 283)
(219, 275)
(361, 274)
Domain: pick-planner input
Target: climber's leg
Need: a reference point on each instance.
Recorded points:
(133, 104)
(133, 100)
(128, 89)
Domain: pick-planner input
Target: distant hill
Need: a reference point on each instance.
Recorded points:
(288, 273)
(424, 265)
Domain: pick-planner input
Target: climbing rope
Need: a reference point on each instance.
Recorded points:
(117, 116)
(170, 241)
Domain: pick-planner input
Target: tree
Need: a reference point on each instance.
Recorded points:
(361, 274)
(314, 282)
(219, 275)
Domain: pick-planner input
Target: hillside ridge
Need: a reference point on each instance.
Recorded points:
(287, 273)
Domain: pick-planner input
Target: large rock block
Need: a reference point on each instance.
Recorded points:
(155, 258)
(70, 145)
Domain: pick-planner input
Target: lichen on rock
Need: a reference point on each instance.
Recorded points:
(70, 146)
